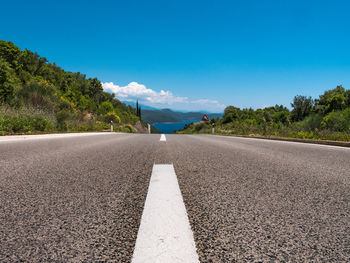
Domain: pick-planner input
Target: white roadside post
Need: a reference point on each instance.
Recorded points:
(111, 126)
(213, 129)
(149, 128)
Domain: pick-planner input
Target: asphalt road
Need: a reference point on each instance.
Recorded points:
(80, 199)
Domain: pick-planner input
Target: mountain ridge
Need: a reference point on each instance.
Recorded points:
(168, 115)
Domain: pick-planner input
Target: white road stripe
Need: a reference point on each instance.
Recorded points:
(162, 138)
(50, 136)
(165, 234)
(281, 142)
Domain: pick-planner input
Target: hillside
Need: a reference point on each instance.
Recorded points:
(38, 96)
(327, 117)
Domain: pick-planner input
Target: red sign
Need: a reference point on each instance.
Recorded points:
(205, 118)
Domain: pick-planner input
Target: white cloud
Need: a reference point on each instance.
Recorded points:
(134, 91)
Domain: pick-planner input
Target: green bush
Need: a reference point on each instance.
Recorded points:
(105, 107)
(281, 117)
(337, 120)
(305, 135)
(129, 128)
(38, 94)
(311, 122)
(199, 127)
(110, 116)
(23, 123)
(62, 117)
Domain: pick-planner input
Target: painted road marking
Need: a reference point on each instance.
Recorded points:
(281, 141)
(165, 234)
(50, 136)
(162, 138)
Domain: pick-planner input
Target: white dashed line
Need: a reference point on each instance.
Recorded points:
(163, 138)
(165, 234)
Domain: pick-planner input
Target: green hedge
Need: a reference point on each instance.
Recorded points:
(25, 124)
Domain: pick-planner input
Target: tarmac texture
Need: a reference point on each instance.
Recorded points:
(80, 199)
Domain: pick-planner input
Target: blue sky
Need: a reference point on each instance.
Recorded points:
(192, 55)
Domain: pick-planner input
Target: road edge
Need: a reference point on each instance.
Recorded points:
(8, 138)
(322, 142)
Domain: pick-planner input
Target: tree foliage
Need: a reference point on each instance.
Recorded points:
(302, 106)
(326, 117)
(28, 80)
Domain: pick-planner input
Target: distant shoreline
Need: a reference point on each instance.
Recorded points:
(175, 122)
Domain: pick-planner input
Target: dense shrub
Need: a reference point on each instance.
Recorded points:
(311, 122)
(105, 107)
(30, 81)
(25, 123)
(38, 94)
(62, 117)
(337, 120)
(110, 116)
(128, 128)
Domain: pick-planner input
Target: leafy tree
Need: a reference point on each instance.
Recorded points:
(105, 107)
(281, 117)
(7, 81)
(231, 113)
(84, 103)
(110, 116)
(302, 107)
(267, 116)
(311, 122)
(95, 90)
(39, 94)
(29, 82)
(330, 93)
(31, 62)
(337, 120)
(10, 53)
(336, 102)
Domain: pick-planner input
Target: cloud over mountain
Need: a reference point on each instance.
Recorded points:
(134, 91)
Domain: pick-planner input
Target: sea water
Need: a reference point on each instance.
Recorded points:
(169, 127)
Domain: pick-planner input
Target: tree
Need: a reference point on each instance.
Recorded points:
(29, 81)
(31, 62)
(231, 113)
(337, 120)
(302, 107)
(110, 116)
(38, 94)
(347, 98)
(281, 117)
(138, 109)
(330, 93)
(7, 81)
(335, 103)
(105, 107)
(95, 89)
(10, 53)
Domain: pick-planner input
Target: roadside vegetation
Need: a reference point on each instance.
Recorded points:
(326, 118)
(39, 97)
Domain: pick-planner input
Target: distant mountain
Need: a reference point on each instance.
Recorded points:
(143, 107)
(168, 115)
(154, 115)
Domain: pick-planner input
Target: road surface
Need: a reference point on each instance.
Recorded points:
(82, 198)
